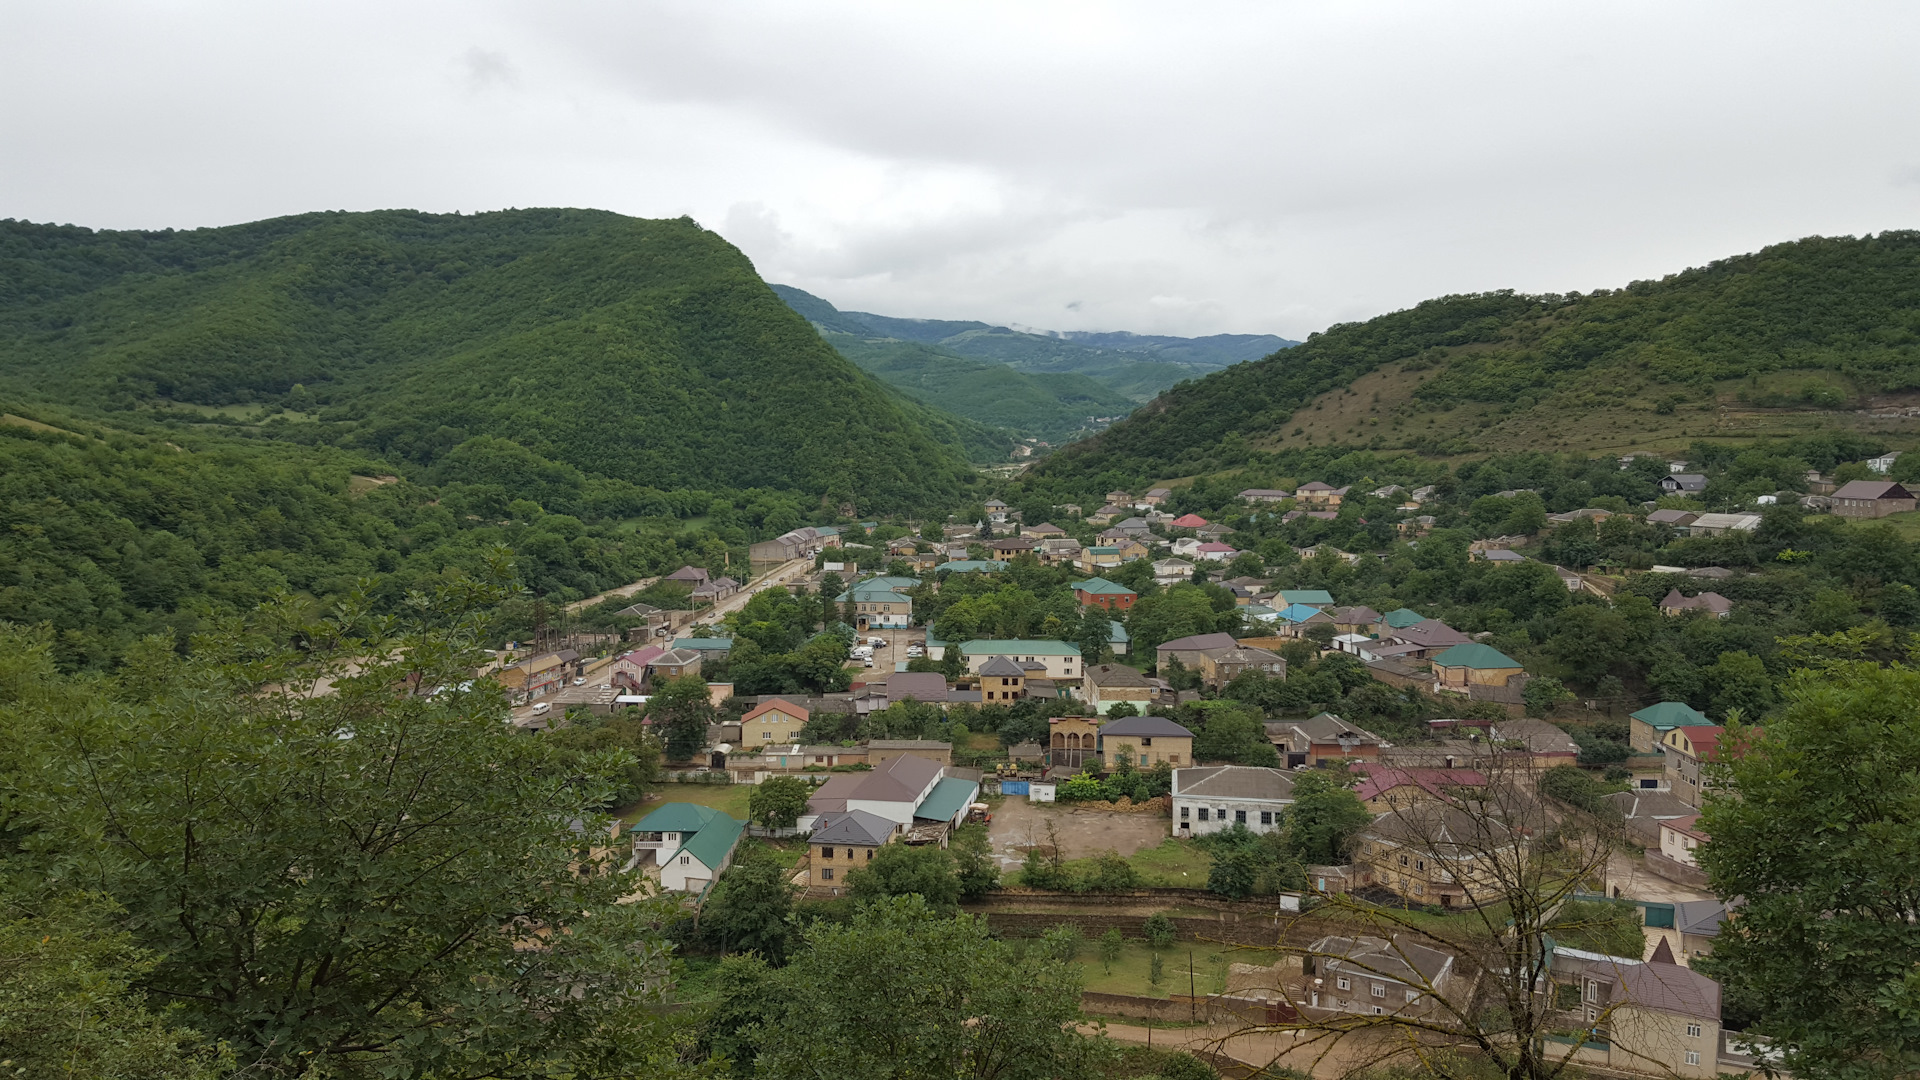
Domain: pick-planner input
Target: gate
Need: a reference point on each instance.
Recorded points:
(1014, 787)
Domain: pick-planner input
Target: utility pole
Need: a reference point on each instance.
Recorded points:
(1192, 1010)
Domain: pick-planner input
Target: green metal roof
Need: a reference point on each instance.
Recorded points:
(1103, 551)
(1401, 618)
(1475, 654)
(1116, 632)
(1672, 714)
(704, 644)
(1018, 647)
(866, 593)
(1306, 596)
(1100, 586)
(947, 799)
(887, 581)
(711, 844)
(680, 817)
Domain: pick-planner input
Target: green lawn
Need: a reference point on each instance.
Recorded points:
(730, 798)
(1173, 864)
(1131, 973)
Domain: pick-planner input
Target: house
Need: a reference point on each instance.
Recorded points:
(1061, 660)
(1373, 976)
(802, 543)
(688, 575)
(842, 842)
(1320, 496)
(629, 670)
(1106, 513)
(1218, 797)
(1315, 598)
(1214, 551)
(1721, 524)
(1474, 663)
(708, 648)
(540, 674)
(1884, 463)
(1186, 547)
(1687, 749)
(1386, 788)
(1542, 743)
(1012, 547)
(1295, 619)
(1218, 667)
(881, 603)
(1355, 620)
(1099, 592)
(1171, 571)
(971, 566)
(1106, 685)
(892, 790)
(1643, 812)
(1002, 681)
(1322, 740)
(1673, 519)
(1400, 619)
(1712, 603)
(1500, 555)
(1118, 496)
(1189, 650)
(1046, 530)
(1871, 499)
(1654, 1016)
(1156, 496)
(691, 844)
(1071, 740)
(715, 590)
(881, 751)
(1429, 637)
(1146, 741)
(1102, 557)
(1683, 483)
(1058, 550)
(776, 722)
(1647, 729)
(1118, 639)
(1698, 924)
(1264, 495)
(675, 663)
(653, 621)
(1189, 521)
(1433, 851)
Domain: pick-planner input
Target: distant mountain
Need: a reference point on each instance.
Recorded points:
(1137, 366)
(648, 352)
(1818, 334)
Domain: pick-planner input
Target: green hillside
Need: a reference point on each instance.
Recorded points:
(642, 351)
(1136, 366)
(1802, 336)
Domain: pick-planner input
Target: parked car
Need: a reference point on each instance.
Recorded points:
(542, 708)
(877, 642)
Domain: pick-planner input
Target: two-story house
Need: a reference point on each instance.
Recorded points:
(1372, 976)
(1072, 741)
(1145, 741)
(773, 723)
(1687, 749)
(1218, 667)
(1107, 685)
(1062, 660)
(1002, 681)
(1652, 1016)
(1101, 593)
(843, 842)
(1321, 740)
(691, 844)
(881, 603)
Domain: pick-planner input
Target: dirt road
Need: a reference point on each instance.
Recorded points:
(1256, 1049)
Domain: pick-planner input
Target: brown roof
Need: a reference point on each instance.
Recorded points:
(1200, 643)
(1872, 489)
(1115, 675)
(1430, 633)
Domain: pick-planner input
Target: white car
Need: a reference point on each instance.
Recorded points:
(542, 708)
(877, 642)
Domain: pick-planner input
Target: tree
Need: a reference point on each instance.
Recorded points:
(1516, 865)
(1324, 817)
(749, 908)
(902, 992)
(1740, 681)
(1120, 709)
(1818, 836)
(1111, 945)
(681, 711)
(1236, 733)
(973, 861)
(322, 879)
(1092, 630)
(1159, 930)
(902, 870)
(778, 801)
(1544, 693)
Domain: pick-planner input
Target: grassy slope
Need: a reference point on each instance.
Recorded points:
(1739, 348)
(644, 350)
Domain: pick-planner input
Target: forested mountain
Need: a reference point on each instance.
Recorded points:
(1136, 366)
(647, 352)
(1796, 337)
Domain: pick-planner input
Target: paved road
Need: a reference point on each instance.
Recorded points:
(779, 577)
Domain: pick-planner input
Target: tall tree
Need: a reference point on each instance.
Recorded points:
(1816, 824)
(778, 801)
(1324, 817)
(681, 711)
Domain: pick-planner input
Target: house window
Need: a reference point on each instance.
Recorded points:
(766, 736)
(1240, 816)
(1403, 860)
(1183, 813)
(1693, 1057)
(1143, 759)
(1413, 995)
(1377, 1010)
(1266, 817)
(869, 854)
(1693, 1031)
(1146, 741)
(685, 860)
(1379, 990)
(1203, 813)
(826, 873)
(1419, 864)
(1343, 983)
(1173, 759)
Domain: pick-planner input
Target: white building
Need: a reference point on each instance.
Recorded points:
(691, 844)
(1218, 797)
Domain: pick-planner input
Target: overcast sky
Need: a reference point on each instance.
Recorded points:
(1179, 168)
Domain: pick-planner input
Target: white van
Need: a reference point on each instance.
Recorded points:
(543, 708)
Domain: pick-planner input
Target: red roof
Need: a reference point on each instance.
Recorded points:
(1382, 778)
(1189, 521)
(787, 708)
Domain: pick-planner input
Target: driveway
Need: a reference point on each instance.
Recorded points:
(1019, 824)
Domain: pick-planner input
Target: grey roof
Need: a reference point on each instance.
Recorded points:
(908, 744)
(677, 657)
(1671, 517)
(1326, 727)
(1539, 736)
(1234, 782)
(853, 827)
(1701, 918)
(1668, 987)
(919, 685)
(899, 780)
(1650, 805)
(1115, 675)
(1402, 960)
(1199, 642)
(1429, 634)
(1147, 726)
(1001, 666)
(1872, 489)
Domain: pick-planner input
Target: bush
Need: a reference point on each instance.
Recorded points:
(1159, 930)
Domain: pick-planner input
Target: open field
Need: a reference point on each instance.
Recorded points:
(728, 798)
(1019, 824)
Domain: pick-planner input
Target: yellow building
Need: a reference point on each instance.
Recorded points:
(775, 722)
(1145, 741)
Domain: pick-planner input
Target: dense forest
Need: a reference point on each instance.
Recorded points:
(641, 351)
(1845, 306)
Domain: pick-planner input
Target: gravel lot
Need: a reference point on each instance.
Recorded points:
(1020, 824)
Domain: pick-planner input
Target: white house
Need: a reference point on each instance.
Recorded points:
(1679, 837)
(1172, 571)
(893, 791)
(1218, 797)
(1061, 658)
(691, 844)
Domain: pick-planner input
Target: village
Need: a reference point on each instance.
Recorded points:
(1098, 717)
